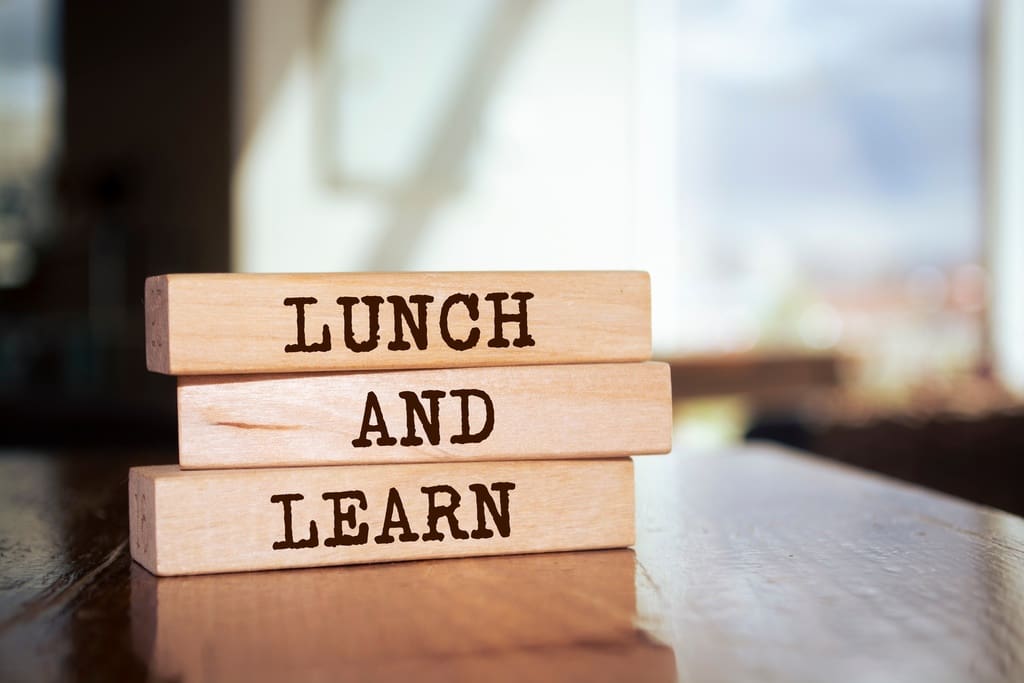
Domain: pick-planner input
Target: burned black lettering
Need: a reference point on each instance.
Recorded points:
(300, 345)
(500, 318)
(289, 542)
(436, 511)
(394, 517)
(373, 421)
(467, 436)
(499, 513)
(347, 519)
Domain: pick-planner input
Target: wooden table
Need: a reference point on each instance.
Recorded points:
(763, 377)
(753, 564)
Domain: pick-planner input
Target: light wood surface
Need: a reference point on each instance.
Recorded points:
(201, 521)
(769, 565)
(529, 412)
(200, 324)
(751, 564)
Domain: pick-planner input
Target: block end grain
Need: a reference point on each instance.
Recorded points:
(646, 324)
(629, 493)
(663, 383)
(158, 353)
(142, 518)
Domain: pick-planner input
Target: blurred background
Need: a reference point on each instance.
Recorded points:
(829, 196)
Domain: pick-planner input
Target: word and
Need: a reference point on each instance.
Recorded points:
(416, 324)
(349, 531)
(373, 419)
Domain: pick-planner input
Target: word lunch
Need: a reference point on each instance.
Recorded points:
(416, 324)
(235, 323)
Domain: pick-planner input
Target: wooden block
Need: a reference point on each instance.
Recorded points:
(480, 618)
(506, 413)
(195, 522)
(237, 323)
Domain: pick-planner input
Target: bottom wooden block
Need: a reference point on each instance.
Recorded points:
(204, 521)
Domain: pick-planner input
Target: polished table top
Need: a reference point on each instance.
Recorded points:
(752, 564)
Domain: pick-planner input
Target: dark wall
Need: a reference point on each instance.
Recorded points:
(148, 98)
(141, 186)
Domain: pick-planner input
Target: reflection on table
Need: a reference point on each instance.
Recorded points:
(564, 616)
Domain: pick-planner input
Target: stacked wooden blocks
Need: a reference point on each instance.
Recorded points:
(348, 418)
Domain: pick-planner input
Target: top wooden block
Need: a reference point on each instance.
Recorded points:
(199, 324)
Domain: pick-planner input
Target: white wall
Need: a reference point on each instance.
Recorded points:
(544, 177)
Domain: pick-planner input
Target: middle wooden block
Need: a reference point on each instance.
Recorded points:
(491, 413)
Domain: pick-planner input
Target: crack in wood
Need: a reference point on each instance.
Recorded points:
(247, 425)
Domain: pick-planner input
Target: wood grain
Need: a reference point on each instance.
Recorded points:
(193, 522)
(550, 411)
(752, 564)
(199, 324)
(570, 614)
